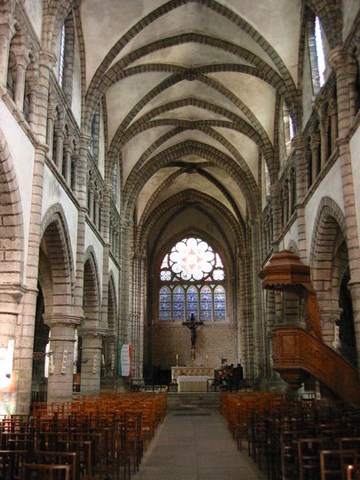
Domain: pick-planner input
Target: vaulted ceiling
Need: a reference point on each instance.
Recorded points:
(191, 94)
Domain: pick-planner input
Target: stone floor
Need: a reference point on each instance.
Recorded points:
(195, 446)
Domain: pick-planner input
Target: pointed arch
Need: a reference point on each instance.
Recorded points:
(56, 266)
(11, 219)
(329, 262)
(91, 296)
(112, 305)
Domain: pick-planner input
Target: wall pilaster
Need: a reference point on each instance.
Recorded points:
(341, 62)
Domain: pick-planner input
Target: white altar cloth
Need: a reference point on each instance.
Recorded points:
(192, 383)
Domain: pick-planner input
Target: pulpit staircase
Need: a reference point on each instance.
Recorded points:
(299, 353)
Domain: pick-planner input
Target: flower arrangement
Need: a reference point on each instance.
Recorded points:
(225, 374)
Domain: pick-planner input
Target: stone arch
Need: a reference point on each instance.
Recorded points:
(329, 262)
(112, 305)
(151, 219)
(56, 266)
(138, 177)
(11, 221)
(91, 296)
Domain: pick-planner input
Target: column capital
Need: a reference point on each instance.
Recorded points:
(315, 140)
(338, 58)
(85, 140)
(11, 296)
(62, 319)
(95, 333)
(47, 59)
(297, 142)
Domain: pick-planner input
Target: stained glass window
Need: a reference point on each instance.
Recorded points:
(205, 304)
(219, 303)
(192, 302)
(179, 304)
(165, 303)
(192, 271)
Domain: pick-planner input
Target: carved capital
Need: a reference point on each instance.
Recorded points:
(297, 142)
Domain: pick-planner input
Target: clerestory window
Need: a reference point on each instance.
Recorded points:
(192, 280)
(317, 55)
(61, 56)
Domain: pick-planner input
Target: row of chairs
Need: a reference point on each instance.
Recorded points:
(305, 439)
(88, 439)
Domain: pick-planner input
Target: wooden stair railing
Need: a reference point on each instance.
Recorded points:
(297, 353)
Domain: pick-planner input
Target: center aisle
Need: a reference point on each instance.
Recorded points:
(195, 446)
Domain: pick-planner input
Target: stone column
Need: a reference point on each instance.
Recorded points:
(10, 308)
(276, 208)
(91, 360)
(261, 353)
(96, 209)
(301, 187)
(25, 328)
(105, 227)
(50, 124)
(74, 160)
(91, 201)
(333, 122)
(22, 62)
(324, 125)
(285, 203)
(7, 31)
(125, 283)
(61, 358)
(81, 194)
(139, 296)
(340, 62)
(110, 355)
(67, 157)
(59, 132)
(314, 146)
(353, 87)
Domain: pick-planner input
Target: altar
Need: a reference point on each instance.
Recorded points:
(192, 379)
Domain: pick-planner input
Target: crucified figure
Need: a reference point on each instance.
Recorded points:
(192, 326)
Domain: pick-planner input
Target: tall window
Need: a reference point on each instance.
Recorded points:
(62, 56)
(320, 51)
(192, 280)
(317, 55)
(288, 129)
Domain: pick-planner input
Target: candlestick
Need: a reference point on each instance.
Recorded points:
(177, 359)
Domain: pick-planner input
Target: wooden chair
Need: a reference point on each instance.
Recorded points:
(309, 456)
(333, 463)
(83, 450)
(59, 458)
(45, 472)
(11, 463)
(353, 472)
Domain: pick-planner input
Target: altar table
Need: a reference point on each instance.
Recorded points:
(192, 383)
(190, 371)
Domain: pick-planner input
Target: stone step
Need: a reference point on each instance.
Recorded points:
(195, 401)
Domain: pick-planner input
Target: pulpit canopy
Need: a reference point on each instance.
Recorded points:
(285, 271)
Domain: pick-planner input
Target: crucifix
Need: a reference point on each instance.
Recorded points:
(192, 325)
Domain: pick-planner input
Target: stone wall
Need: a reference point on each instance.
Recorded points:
(214, 341)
